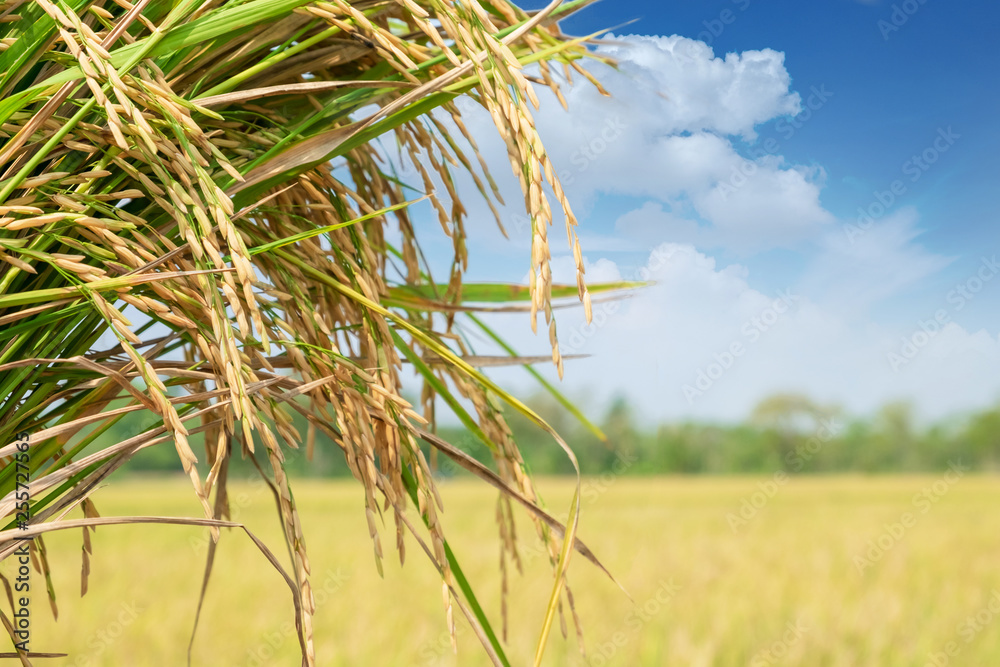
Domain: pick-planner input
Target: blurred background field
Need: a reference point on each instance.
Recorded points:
(786, 588)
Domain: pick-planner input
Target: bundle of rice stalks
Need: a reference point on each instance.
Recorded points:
(200, 181)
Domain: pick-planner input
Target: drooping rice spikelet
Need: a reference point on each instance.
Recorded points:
(200, 180)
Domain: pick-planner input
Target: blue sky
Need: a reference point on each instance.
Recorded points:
(892, 88)
(827, 110)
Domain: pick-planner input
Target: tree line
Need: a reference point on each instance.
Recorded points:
(785, 432)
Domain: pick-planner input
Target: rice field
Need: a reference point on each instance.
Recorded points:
(724, 571)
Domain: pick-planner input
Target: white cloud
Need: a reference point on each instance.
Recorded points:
(767, 207)
(859, 268)
(650, 223)
(671, 136)
(564, 271)
(685, 329)
(690, 90)
(665, 134)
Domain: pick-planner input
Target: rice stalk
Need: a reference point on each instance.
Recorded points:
(201, 182)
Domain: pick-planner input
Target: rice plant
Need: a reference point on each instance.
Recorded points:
(197, 221)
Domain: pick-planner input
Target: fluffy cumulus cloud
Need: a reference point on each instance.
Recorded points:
(673, 129)
(667, 162)
(696, 90)
(703, 342)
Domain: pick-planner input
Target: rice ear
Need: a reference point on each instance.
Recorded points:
(166, 184)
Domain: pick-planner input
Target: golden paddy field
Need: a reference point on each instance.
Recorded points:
(814, 571)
